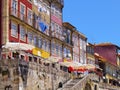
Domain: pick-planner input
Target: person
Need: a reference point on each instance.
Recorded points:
(60, 85)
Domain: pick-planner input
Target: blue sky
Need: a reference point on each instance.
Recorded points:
(98, 20)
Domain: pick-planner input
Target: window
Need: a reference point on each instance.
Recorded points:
(30, 38)
(29, 16)
(40, 43)
(84, 46)
(81, 43)
(48, 43)
(52, 9)
(14, 7)
(35, 20)
(22, 57)
(22, 33)
(30, 58)
(57, 49)
(68, 37)
(60, 13)
(56, 11)
(75, 40)
(14, 30)
(35, 2)
(35, 40)
(61, 51)
(65, 52)
(53, 28)
(44, 45)
(35, 59)
(22, 11)
(57, 30)
(52, 47)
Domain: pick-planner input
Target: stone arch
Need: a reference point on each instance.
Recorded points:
(88, 86)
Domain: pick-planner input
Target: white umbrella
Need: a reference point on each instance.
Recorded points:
(73, 64)
(54, 59)
(17, 46)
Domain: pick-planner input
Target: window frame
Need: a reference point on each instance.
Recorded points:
(22, 29)
(29, 39)
(16, 34)
(22, 15)
(29, 19)
(14, 9)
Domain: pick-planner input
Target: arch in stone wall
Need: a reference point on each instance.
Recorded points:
(88, 86)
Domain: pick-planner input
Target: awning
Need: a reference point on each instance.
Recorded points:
(68, 64)
(17, 46)
(54, 59)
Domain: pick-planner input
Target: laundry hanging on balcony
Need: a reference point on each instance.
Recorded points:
(42, 26)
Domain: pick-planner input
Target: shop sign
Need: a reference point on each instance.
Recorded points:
(40, 52)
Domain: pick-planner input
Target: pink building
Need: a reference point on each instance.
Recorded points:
(109, 51)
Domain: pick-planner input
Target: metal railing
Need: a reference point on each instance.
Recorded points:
(23, 17)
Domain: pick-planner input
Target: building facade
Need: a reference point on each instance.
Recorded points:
(110, 52)
(31, 22)
(82, 39)
(90, 53)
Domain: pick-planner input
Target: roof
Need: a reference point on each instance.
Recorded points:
(68, 25)
(104, 44)
(73, 29)
(107, 44)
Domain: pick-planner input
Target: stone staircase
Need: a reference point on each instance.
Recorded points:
(79, 84)
(76, 83)
(71, 83)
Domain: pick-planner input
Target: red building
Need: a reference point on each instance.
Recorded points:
(20, 9)
(108, 51)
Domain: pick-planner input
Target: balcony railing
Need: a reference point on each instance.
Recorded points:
(23, 17)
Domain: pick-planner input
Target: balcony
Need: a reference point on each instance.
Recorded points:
(23, 17)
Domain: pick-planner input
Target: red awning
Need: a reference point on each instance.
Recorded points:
(70, 68)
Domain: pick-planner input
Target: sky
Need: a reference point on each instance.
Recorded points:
(98, 20)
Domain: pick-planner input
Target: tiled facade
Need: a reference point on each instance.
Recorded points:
(110, 52)
(39, 23)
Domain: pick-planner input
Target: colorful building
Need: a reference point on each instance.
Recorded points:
(29, 22)
(110, 52)
(82, 39)
(39, 23)
(90, 54)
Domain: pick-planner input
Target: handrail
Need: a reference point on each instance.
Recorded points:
(80, 83)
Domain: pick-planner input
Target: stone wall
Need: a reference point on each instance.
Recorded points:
(31, 76)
